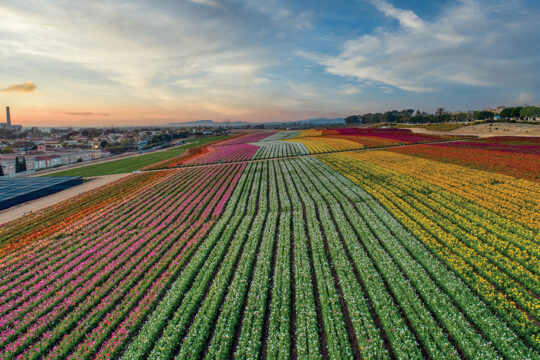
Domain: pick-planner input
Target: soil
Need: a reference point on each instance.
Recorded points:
(487, 130)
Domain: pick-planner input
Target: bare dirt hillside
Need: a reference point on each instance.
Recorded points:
(484, 130)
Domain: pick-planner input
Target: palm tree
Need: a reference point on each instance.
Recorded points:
(439, 111)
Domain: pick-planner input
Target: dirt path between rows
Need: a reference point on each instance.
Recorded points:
(17, 211)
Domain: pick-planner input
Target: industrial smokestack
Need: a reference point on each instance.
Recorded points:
(8, 118)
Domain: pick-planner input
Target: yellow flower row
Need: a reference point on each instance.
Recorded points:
(507, 272)
(309, 132)
(515, 199)
(322, 144)
(465, 253)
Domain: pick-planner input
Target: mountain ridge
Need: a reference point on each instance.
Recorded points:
(313, 121)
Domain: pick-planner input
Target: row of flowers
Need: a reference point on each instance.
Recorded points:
(223, 153)
(71, 309)
(424, 259)
(234, 149)
(468, 323)
(160, 335)
(23, 231)
(483, 260)
(324, 144)
(333, 140)
(276, 149)
(513, 201)
(499, 157)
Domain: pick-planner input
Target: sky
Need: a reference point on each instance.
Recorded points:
(103, 63)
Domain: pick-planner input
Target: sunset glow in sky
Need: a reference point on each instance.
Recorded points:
(102, 63)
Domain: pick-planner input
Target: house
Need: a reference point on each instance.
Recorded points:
(40, 162)
(50, 160)
(8, 162)
(80, 156)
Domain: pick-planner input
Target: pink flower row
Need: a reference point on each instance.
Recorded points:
(226, 153)
(126, 252)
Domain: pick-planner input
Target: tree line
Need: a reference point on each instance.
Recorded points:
(440, 116)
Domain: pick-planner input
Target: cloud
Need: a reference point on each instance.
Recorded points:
(136, 55)
(164, 50)
(86, 113)
(304, 20)
(406, 18)
(524, 98)
(282, 16)
(205, 2)
(470, 43)
(24, 88)
(350, 90)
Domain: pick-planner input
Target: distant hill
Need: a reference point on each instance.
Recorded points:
(210, 123)
(315, 121)
(321, 121)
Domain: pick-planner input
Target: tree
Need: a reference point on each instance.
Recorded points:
(461, 116)
(391, 116)
(407, 112)
(507, 112)
(353, 119)
(439, 111)
(483, 115)
(17, 165)
(530, 111)
(23, 165)
(516, 112)
(1, 171)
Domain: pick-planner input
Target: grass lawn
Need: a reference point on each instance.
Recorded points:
(136, 162)
(202, 141)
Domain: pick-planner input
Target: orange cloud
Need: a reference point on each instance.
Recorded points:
(25, 88)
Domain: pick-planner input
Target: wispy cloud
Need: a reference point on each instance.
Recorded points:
(406, 18)
(86, 113)
(137, 51)
(471, 43)
(281, 15)
(24, 88)
(205, 2)
(349, 89)
(219, 59)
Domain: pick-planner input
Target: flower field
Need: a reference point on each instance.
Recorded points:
(344, 139)
(270, 145)
(391, 253)
(516, 156)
